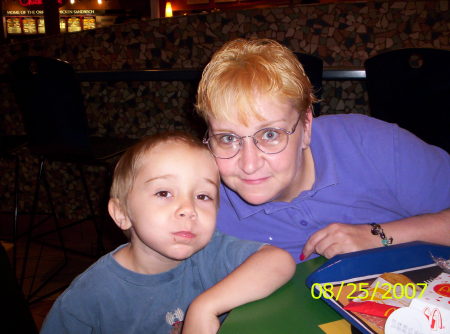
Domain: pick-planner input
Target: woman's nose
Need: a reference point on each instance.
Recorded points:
(250, 159)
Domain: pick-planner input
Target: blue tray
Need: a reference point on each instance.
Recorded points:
(372, 262)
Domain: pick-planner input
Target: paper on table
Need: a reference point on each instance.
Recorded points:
(336, 327)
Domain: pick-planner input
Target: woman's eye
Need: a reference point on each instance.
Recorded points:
(228, 139)
(204, 197)
(270, 135)
(163, 193)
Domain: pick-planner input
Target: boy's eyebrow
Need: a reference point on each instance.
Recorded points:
(211, 181)
(167, 176)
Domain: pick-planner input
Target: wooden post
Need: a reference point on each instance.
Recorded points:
(2, 22)
(51, 17)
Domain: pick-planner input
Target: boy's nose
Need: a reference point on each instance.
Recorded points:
(189, 214)
(186, 210)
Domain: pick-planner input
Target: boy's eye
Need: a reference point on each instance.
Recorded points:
(163, 193)
(204, 197)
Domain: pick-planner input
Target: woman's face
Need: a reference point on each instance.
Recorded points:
(259, 177)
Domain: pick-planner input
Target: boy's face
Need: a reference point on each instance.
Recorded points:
(172, 205)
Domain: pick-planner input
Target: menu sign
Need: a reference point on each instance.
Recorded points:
(62, 25)
(29, 25)
(13, 25)
(88, 22)
(73, 24)
(41, 26)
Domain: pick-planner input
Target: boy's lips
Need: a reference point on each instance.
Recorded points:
(184, 234)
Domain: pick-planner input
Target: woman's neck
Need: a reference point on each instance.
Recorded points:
(305, 179)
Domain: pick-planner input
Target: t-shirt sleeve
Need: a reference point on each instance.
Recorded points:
(62, 321)
(222, 255)
(417, 174)
(422, 174)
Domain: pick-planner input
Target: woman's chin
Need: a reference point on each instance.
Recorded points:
(256, 199)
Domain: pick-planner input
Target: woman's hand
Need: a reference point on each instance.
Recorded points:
(340, 238)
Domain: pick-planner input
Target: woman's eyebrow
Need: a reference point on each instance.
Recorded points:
(268, 124)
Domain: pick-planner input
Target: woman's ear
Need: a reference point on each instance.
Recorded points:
(118, 214)
(307, 128)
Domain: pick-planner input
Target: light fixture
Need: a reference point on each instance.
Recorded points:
(72, 2)
(169, 9)
(99, 2)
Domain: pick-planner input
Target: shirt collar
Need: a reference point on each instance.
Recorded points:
(241, 207)
(324, 162)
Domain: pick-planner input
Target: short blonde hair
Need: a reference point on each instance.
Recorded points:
(240, 69)
(131, 161)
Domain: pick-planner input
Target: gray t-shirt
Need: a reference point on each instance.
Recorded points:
(107, 298)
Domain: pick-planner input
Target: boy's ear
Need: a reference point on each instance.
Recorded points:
(118, 214)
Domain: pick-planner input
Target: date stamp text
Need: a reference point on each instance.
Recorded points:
(363, 291)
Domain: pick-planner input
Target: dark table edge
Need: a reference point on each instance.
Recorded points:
(329, 74)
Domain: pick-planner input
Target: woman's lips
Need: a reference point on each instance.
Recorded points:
(184, 234)
(254, 181)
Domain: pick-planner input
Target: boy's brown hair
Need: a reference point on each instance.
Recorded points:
(128, 165)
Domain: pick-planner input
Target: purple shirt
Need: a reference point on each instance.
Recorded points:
(366, 171)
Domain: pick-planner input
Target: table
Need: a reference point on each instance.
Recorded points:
(292, 310)
(289, 310)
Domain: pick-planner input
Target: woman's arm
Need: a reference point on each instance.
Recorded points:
(340, 238)
(258, 276)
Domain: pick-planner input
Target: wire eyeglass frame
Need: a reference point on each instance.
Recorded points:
(207, 139)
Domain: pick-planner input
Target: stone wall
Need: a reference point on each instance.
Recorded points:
(342, 34)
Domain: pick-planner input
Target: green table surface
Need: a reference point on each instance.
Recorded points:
(290, 309)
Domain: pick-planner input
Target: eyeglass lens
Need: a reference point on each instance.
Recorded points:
(269, 140)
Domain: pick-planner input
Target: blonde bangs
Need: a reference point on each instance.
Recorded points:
(243, 69)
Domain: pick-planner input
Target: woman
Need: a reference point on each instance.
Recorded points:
(313, 186)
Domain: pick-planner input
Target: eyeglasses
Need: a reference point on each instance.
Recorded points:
(267, 140)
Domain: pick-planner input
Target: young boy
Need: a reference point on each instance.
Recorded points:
(165, 194)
